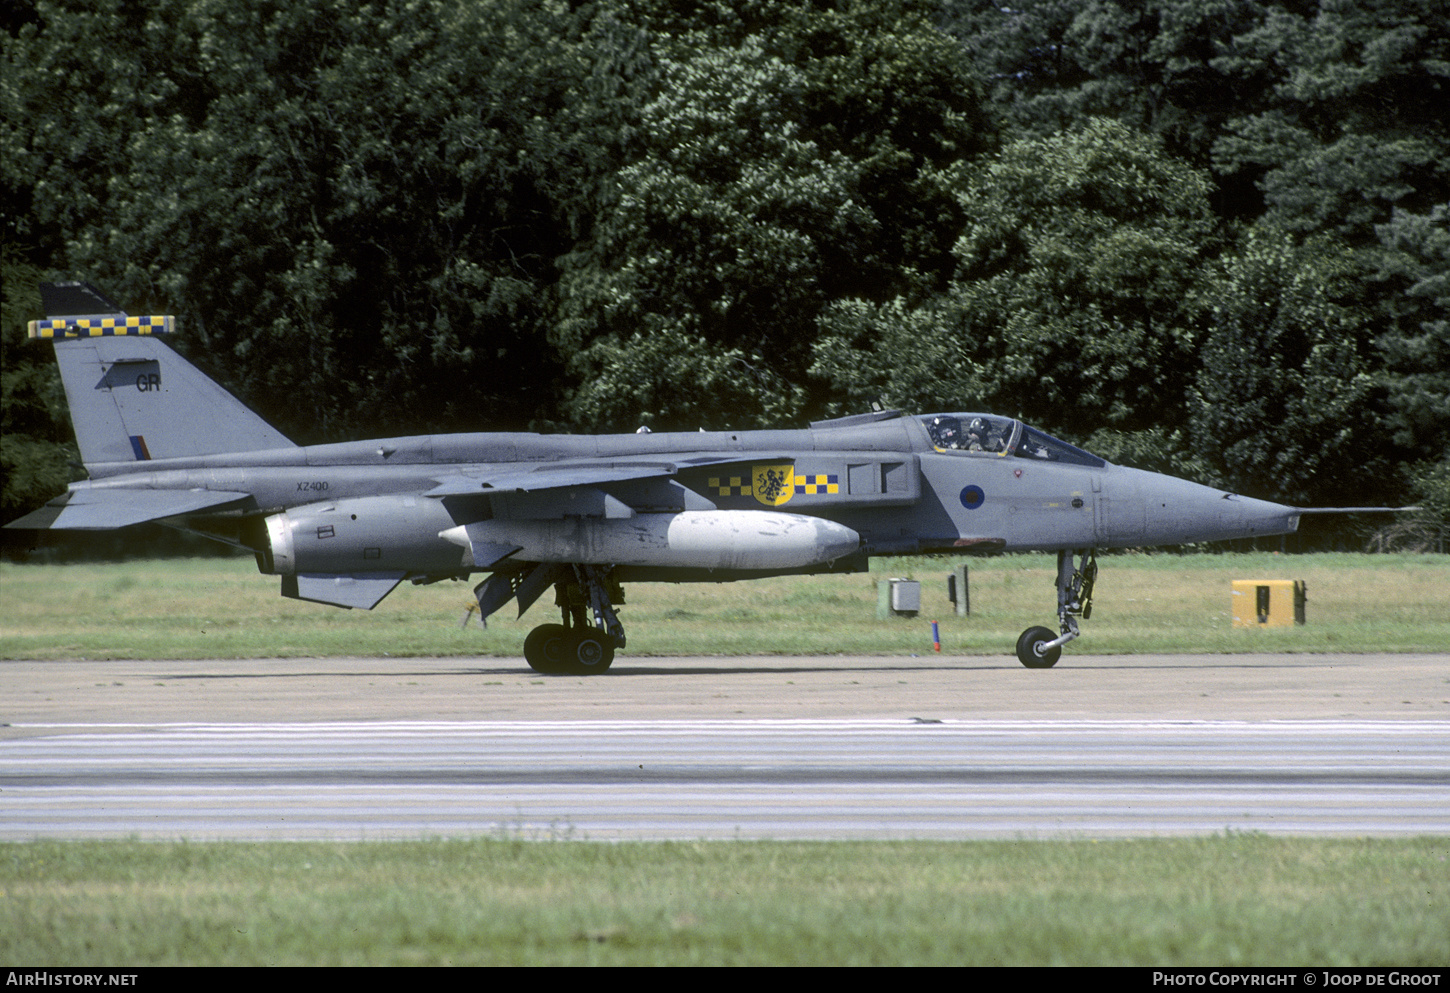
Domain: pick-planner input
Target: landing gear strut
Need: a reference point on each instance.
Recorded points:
(584, 644)
(1037, 648)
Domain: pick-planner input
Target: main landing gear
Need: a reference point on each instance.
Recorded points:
(1038, 648)
(584, 644)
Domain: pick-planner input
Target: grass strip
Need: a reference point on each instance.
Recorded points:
(1225, 900)
(221, 608)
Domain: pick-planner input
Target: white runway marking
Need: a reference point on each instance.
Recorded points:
(726, 779)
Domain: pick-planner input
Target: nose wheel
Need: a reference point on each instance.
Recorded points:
(1038, 648)
(1032, 650)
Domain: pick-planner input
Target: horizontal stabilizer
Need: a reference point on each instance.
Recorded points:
(103, 509)
(363, 591)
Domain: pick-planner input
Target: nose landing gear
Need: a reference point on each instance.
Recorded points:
(1037, 648)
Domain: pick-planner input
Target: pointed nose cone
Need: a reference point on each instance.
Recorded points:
(1245, 517)
(1147, 508)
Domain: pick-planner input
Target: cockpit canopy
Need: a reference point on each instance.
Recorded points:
(989, 434)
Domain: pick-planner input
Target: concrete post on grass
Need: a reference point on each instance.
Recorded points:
(959, 593)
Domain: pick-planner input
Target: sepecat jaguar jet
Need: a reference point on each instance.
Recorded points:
(345, 523)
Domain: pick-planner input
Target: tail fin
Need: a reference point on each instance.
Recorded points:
(132, 399)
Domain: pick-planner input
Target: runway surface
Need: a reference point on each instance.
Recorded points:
(710, 748)
(729, 778)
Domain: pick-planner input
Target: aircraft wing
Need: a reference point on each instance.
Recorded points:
(513, 480)
(579, 472)
(105, 508)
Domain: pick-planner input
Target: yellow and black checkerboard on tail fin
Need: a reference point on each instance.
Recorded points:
(96, 327)
(132, 399)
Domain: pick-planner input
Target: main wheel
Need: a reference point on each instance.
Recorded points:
(1031, 653)
(587, 651)
(546, 648)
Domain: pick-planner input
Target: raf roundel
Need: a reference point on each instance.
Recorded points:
(972, 497)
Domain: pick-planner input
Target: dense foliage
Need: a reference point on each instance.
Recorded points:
(1211, 238)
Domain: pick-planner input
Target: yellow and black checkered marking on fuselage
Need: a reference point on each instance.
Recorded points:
(809, 485)
(817, 484)
(727, 486)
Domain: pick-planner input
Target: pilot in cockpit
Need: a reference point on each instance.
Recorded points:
(979, 436)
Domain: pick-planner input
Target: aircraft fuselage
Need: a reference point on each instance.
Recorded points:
(882, 478)
(344, 523)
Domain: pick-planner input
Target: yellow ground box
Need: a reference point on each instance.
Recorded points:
(1268, 603)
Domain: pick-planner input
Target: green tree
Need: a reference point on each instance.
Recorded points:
(1145, 63)
(444, 214)
(1429, 528)
(1326, 114)
(1285, 406)
(787, 157)
(1415, 347)
(36, 445)
(1319, 118)
(1351, 122)
(1415, 354)
(717, 238)
(1076, 303)
(355, 211)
